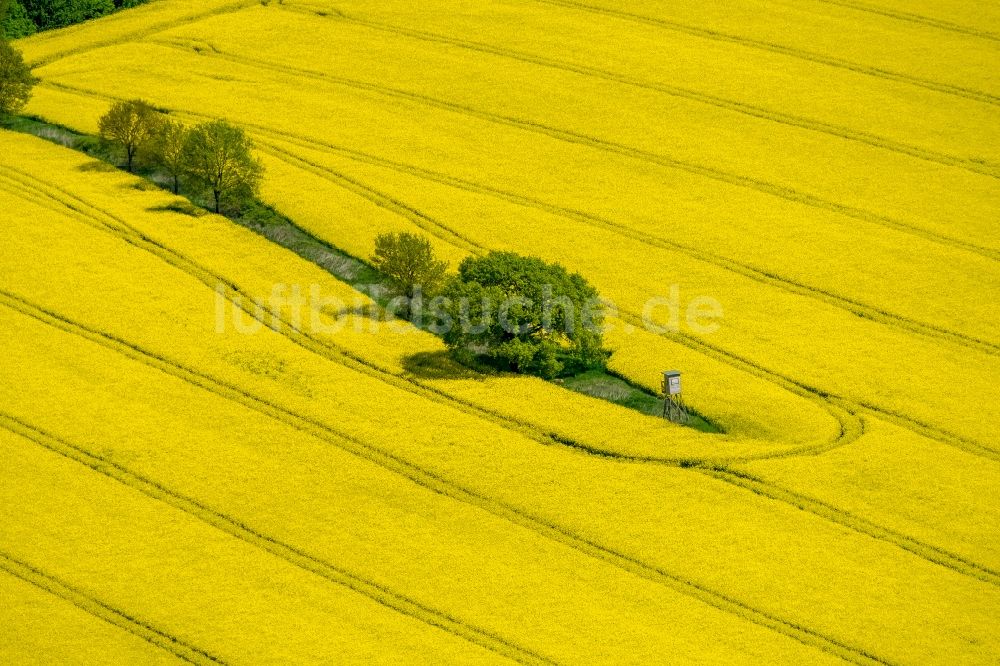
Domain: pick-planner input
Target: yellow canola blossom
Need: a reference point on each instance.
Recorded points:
(171, 579)
(44, 624)
(351, 494)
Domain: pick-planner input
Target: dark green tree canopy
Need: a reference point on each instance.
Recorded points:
(14, 20)
(408, 261)
(523, 313)
(219, 159)
(25, 17)
(16, 80)
(48, 14)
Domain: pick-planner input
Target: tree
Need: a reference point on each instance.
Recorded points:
(408, 261)
(14, 20)
(168, 150)
(132, 126)
(16, 80)
(219, 159)
(523, 313)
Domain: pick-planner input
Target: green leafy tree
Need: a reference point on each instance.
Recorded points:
(522, 313)
(219, 159)
(16, 80)
(14, 20)
(168, 150)
(408, 261)
(132, 126)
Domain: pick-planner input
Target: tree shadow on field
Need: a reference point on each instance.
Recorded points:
(181, 206)
(438, 365)
(97, 166)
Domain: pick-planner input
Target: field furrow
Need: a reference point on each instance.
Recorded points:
(602, 145)
(288, 553)
(178, 570)
(940, 23)
(736, 106)
(99, 609)
(781, 49)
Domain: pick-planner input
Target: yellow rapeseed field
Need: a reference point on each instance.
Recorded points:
(189, 477)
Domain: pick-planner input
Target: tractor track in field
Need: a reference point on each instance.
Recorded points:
(825, 511)
(103, 611)
(424, 477)
(769, 278)
(851, 426)
(780, 49)
(290, 554)
(915, 18)
(829, 401)
(423, 221)
(382, 200)
(602, 145)
(924, 429)
(744, 480)
(849, 422)
(964, 443)
(436, 483)
(850, 430)
(831, 129)
(851, 407)
(926, 551)
(326, 348)
(138, 34)
(856, 523)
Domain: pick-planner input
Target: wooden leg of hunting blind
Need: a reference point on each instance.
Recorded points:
(674, 409)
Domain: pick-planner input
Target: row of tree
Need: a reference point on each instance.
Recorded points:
(20, 18)
(214, 157)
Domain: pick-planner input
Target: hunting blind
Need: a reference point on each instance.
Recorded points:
(673, 405)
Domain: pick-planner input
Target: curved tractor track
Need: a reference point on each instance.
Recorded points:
(432, 481)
